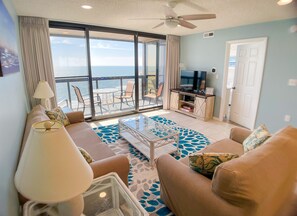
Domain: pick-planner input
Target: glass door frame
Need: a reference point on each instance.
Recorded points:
(87, 29)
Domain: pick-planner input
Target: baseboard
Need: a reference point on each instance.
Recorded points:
(216, 118)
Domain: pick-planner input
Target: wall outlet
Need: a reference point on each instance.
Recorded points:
(287, 118)
(292, 82)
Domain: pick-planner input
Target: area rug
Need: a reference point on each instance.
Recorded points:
(143, 179)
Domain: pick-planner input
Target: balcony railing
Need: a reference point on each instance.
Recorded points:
(66, 93)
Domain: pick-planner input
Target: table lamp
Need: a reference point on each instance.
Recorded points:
(52, 170)
(44, 92)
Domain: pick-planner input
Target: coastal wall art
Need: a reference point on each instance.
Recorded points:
(8, 43)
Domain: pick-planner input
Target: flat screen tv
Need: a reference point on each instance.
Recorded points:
(186, 79)
(193, 81)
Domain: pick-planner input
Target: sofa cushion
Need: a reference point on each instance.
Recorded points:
(206, 163)
(225, 146)
(84, 137)
(261, 180)
(57, 114)
(256, 138)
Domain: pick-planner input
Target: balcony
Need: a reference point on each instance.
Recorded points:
(109, 89)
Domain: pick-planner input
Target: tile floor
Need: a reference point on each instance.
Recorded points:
(214, 130)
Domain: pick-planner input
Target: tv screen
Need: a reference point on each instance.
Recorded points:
(186, 79)
(201, 81)
(193, 80)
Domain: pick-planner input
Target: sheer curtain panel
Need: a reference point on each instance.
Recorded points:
(172, 68)
(37, 56)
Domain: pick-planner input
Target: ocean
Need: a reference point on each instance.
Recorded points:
(97, 71)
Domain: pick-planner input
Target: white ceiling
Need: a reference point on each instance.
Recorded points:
(118, 13)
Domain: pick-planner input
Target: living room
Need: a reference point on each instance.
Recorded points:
(277, 98)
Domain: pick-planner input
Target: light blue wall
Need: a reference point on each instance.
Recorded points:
(13, 110)
(277, 98)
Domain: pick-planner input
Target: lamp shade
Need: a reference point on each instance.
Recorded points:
(51, 168)
(43, 90)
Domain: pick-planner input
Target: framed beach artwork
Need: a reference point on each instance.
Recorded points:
(8, 43)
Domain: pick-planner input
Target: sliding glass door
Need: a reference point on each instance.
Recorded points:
(107, 72)
(113, 71)
(151, 69)
(70, 63)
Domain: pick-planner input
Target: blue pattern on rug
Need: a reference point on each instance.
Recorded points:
(189, 141)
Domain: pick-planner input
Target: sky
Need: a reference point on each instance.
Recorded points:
(69, 51)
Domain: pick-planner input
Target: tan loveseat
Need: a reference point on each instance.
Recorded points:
(83, 136)
(259, 183)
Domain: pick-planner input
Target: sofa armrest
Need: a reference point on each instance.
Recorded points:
(239, 134)
(118, 163)
(187, 193)
(75, 117)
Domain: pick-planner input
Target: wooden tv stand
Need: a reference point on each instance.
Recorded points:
(192, 104)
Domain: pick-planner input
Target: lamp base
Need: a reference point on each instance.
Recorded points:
(73, 207)
(45, 102)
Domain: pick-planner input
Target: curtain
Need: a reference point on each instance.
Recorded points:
(172, 68)
(37, 56)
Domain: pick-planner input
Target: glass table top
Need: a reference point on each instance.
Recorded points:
(148, 127)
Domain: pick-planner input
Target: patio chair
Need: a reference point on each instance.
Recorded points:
(126, 94)
(154, 94)
(85, 101)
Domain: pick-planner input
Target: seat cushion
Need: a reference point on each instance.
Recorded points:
(84, 137)
(225, 146)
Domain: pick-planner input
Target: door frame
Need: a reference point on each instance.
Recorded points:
(262, 40)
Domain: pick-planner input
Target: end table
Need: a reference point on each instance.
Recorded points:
(107, 195)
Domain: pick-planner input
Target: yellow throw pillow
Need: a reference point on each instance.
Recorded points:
(86, 155)
(256, 138)
(206, 163)
(58, 115)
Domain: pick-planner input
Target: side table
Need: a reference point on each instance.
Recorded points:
(107, 195)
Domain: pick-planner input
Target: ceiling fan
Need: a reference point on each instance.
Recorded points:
(172, 20)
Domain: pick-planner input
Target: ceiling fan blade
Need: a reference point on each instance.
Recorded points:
(160, 24)
(169, 11)
(193, 5)
(187, 24)
(198, 16)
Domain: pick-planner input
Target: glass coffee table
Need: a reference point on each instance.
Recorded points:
(151, 138)
(107, 196)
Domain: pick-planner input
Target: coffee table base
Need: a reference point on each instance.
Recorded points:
(150, 151)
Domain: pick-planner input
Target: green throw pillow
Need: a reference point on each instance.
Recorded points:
(86, 155)
(206, 163)
(58, 115)
(257, 137)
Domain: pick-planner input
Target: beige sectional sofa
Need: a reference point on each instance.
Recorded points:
(105, 160)
(258, 183)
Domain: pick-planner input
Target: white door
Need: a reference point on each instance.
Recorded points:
(247, 84)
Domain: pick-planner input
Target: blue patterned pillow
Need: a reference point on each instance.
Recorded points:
(256, 138)
(206, 163)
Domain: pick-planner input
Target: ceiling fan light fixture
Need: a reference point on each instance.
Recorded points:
(171, 23)
(284, 2)
(87, 7)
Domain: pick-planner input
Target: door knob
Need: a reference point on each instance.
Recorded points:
(233, 87)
